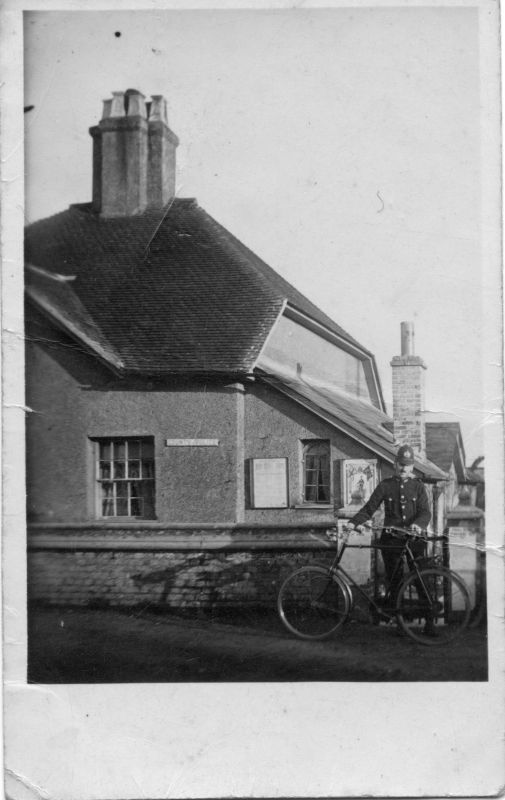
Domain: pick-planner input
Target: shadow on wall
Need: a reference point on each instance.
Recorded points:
(204, 585)
(241, 579)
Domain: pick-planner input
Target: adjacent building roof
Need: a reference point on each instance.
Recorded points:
(360, 420)
(162, 292)
(444, 446)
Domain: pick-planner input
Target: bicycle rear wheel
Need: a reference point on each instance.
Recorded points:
(433, 608)
(313, 602)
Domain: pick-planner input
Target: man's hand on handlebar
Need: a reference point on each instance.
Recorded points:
(349, 526)
(416, 530)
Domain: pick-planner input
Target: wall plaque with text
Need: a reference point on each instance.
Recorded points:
(269, 482)
(191, 442)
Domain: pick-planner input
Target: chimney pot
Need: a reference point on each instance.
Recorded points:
(107, 105)
(117, 105)
(158, 110)
(407, 333)
(135, 104)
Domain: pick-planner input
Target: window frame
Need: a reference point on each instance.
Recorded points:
(127, 480)
(306, 446)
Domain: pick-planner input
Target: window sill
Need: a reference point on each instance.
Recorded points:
(133, 520)
(313, 506)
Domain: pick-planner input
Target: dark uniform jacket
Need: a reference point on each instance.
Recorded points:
(405, 503)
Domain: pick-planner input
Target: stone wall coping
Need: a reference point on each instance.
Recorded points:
(144, 526)
(176, 543)
(465, 512)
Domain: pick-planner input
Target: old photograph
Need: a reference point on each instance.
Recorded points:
(260, 301)
(223, 294)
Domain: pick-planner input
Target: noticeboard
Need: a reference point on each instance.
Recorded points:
(269, 482)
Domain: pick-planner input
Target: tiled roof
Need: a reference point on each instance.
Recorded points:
(358, 419)
(444, 445)
(169, 292)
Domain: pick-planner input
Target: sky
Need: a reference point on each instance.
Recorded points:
(342, 145)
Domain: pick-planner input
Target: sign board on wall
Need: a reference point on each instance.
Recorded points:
(269, 482)
(191, 442)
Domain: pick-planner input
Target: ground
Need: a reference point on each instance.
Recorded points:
(80, 645)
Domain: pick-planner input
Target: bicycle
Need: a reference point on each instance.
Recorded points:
(315, 601)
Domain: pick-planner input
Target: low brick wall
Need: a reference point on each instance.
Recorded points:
(177, 568)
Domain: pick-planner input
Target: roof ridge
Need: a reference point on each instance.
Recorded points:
(87, 210)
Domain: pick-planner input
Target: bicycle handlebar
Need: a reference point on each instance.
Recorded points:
(403, 532)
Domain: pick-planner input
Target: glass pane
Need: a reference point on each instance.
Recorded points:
(149, 503)
(310, 462)
(322, 362)
(137, 507)
(134, 469)
(119, 450)
(107, 508)
(107, 499)
(148, 469)
(122, 489)
(104, 470)
(319, 449)
(107, 490)
(134, 448)
(324, 494)
(311, 494)
(122, 508)
(119, 469)
(105, 450)
(148, 449)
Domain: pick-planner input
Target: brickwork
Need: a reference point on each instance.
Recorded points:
(104, 575)
(408, 402)
(172, 580)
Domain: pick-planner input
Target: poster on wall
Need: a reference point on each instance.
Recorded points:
(360, 479)
(269, 482)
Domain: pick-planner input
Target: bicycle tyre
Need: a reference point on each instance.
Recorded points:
(313, 602)
(450, 607)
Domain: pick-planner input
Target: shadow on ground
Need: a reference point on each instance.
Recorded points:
(78, 645)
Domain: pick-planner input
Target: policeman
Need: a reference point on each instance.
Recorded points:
(406, 505)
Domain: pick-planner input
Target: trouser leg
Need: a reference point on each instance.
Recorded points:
(394, 572)
(419, 549)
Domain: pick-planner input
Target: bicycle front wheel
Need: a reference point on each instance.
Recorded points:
(434, 606)
(313, 602)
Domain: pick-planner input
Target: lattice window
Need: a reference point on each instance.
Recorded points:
(125, 477)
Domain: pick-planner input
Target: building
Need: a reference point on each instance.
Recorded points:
(194, 420)
(460, 505)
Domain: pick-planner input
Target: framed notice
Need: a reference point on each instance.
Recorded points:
(359, 479)
(269, 482)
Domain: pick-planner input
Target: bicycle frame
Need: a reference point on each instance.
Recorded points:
(405, 553)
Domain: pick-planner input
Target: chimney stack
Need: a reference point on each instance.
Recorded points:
(408, 394)
(133, 156)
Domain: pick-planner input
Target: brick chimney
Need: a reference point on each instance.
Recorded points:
(133, 155)
(408, 394)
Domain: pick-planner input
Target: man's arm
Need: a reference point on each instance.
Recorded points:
(369, 508)
(423, 515)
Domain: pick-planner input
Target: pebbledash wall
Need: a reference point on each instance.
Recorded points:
(207, 545)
